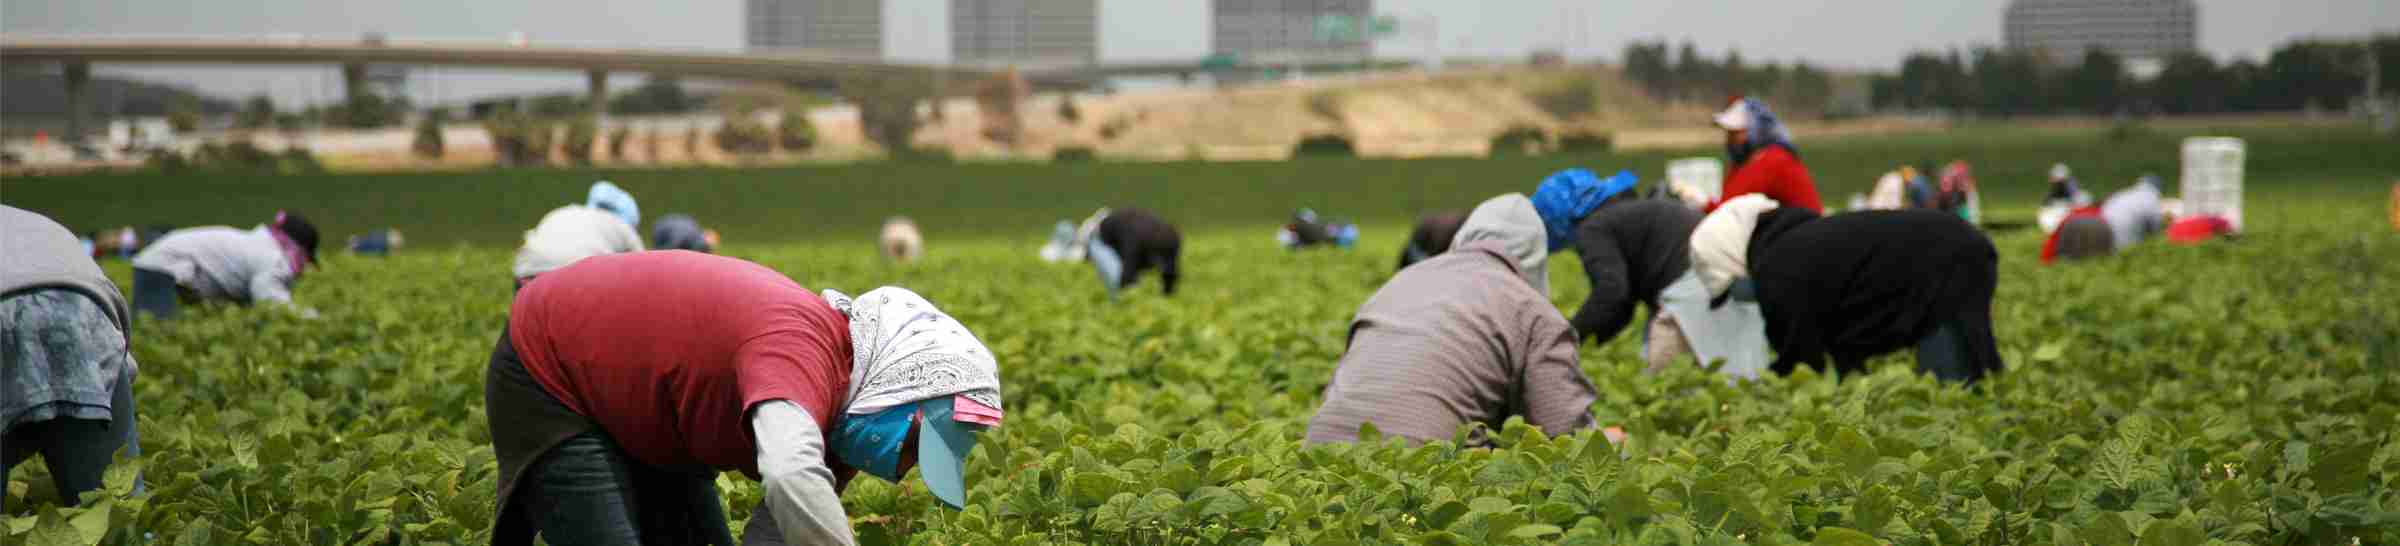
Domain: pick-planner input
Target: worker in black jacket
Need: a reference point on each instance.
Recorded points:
(1121, 243)
(1431, 237)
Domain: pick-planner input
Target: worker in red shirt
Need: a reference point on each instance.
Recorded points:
(1764, 160)
(624, 383)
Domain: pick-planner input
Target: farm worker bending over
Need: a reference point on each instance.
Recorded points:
(680, 232)
(1921, 192)
(2064, 189)
(901, 242)
(1305, 231)
(2198, 229)
(625, 383)
(1121, 243)
(377, 243)
(1061, 247)
(1637, 251)
(1957, 191)
(1466, 337)
(226, 264)
(1430, 238)
(1764, 160)
(2123, 220)
(602, 225)
(66, 378)
(1857, 285)
(1891, 193)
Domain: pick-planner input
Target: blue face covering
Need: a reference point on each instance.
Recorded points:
(872, 442)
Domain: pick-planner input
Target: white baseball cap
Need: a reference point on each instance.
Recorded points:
(1734, 118)
(2058, 171)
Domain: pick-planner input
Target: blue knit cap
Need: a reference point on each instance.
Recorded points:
(1569, 195)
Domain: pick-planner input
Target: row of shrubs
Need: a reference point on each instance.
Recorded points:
(524, 140)
(1516, 141)
(521, 139)
(240, 155)
(1529, 140)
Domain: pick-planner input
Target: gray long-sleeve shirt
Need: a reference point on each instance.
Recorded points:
(42, 253)
(798, 503)
(2132, 215)
(223, 263)
(1457, 339)
(1631, 251)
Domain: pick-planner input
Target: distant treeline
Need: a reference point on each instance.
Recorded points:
(1990, 81)
(1687, 76)
(1986, 81)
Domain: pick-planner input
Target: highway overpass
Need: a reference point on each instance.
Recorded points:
(814, 71)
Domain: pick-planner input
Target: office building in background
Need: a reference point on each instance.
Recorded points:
(843, 27)
(2141, 31)
(1296, 30)
(1024, 32)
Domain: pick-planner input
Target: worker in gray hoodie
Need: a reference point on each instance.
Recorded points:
(1466, 338)
(66, 376)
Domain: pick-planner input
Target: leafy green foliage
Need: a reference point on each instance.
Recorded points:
(2238, 392)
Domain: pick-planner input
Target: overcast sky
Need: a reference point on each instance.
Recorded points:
(1858, 34)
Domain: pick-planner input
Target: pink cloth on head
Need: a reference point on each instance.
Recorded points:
(968, 410)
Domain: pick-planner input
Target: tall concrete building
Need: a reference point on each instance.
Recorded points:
(1023, 32)
(1289, 29)
(844, 27)
(2146, 31)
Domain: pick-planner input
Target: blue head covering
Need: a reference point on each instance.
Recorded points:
(1764, 129)
(609, 197)
(1569, 195)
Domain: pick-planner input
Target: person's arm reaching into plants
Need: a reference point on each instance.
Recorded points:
(798, 497)
(1610, 306)
(275, 288)
(268, 287)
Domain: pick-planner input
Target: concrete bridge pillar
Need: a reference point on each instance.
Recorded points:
(354, 82)
(597, 84)
(79, 83)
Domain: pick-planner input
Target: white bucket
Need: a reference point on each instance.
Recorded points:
(1704, 175)
(2212, 178)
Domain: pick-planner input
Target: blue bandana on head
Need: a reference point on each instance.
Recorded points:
(871, 443)
(1569, 195)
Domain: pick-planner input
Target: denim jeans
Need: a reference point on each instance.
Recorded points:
(1110, 266)
(587, 491)
(154, 293)
(78, 451)
(1943, 353)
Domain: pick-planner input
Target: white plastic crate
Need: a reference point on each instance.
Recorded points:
(1704, 174)
(2212, 178)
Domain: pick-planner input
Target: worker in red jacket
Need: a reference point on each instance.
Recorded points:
(1764, 160)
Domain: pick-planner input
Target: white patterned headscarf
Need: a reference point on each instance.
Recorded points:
(904, 350)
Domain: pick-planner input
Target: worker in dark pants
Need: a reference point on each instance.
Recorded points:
(66, 376)
(1856, 285)
(1122, 243)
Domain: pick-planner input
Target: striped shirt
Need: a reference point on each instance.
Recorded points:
(1457, 339)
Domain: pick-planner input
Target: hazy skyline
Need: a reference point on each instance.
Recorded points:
(1855, 34)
